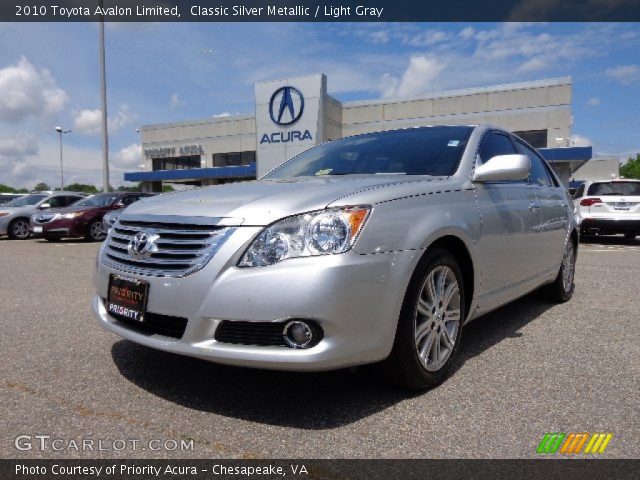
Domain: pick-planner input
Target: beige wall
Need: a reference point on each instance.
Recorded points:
(541, 105)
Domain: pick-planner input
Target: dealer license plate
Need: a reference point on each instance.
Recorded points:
(37, 229)
(622, 206)
(127, 298)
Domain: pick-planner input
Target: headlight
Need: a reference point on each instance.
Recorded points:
(323, 232)
(66, 216)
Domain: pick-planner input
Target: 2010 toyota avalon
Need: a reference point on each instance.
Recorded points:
(373, 248)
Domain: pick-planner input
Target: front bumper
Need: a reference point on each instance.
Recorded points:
(62, 227)
(356, 300)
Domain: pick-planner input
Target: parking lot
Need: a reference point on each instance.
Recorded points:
(530, 368)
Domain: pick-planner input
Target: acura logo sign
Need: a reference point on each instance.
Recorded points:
(286, 106)
(142, 245)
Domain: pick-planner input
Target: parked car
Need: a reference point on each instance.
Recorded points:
(8, 197)
(83, 218)
(609, 207)
(372, 248)
(15, 215)
(111, 217)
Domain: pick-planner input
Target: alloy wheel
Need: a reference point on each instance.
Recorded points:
(437, 318)
(20, 229)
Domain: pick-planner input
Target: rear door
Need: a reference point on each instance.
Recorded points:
(509, 225)
(552, 204)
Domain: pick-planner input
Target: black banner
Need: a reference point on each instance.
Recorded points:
(547, 469)
(319, 11)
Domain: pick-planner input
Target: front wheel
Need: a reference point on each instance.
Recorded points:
(95, 232)
(561, 290)
(430, 324)
(19, 229)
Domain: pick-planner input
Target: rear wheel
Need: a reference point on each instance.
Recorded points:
(561, 290)
(19, 229)
(430, 324)
(95, 232)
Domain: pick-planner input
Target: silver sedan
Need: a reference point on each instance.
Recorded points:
(376, 248)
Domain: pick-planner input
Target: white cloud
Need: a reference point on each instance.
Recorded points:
(18, 146)
(428, 38)
(593, 101)
(175, 101)
(580, 141)
(625, 74)
(128, 157)
(532, 65)
(467, 33)
(380, 36)
(417, 78)
(27, 92)
(221, 115)
(89, 121)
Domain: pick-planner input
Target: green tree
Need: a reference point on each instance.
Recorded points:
(631, 169)
(167, 188)
(81, 187)
(7, 189)
(42, 186)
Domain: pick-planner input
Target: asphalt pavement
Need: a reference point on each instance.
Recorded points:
(529, 368)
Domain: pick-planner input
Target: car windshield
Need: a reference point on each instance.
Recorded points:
(415, 151)
(615, 188)
(26, 200)
(103, 200)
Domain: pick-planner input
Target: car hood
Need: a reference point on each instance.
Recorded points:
(262, 202)
(26, 210)
(72, 209)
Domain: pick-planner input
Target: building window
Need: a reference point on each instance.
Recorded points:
(535, 138)
(177, 163)
(233, 159)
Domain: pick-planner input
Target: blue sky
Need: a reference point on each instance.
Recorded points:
(170, 72)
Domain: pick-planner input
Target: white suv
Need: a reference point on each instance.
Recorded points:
(609, 207)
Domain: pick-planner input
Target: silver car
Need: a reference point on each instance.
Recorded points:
(372, 248)
(15, 216)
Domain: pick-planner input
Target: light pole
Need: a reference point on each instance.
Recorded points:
(60, 131)
(103, 100)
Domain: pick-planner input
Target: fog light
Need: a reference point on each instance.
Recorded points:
(298, 334)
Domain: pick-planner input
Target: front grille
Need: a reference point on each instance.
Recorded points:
(251, 333)
(182, 248)
(155, 323)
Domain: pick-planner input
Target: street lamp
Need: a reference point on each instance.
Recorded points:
(60, 131)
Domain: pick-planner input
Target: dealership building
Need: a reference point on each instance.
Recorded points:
(294, 114)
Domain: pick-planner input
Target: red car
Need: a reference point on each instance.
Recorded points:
(83, 218)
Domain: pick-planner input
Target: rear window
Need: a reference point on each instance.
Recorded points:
(614, 188)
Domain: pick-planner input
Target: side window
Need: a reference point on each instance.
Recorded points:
(494, 144)
(128, 200)
(57, 202)
(539, 174)
(68, 200)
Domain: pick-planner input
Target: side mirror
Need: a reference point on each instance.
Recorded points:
(503, 167)
(44, 206)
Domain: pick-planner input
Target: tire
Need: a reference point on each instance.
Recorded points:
(95, 232)
(19, 229)
(630, 236)
(429, 332)
(561, 290)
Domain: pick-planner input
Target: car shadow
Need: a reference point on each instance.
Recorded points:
(314, 401)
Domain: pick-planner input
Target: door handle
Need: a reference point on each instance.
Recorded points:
(534, 206)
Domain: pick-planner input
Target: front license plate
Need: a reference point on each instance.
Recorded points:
(622, 206)
(37, 229)
(127, 297)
